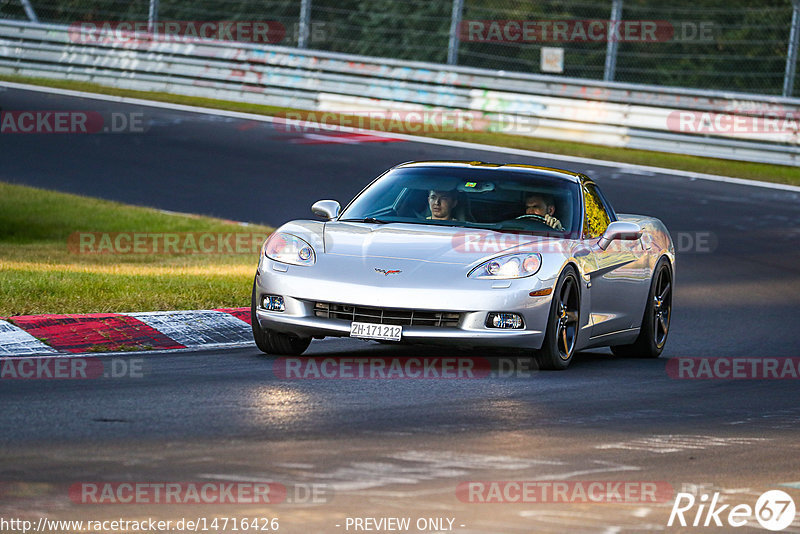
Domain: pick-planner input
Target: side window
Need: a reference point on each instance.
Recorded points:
(596, 219)
(604, 200)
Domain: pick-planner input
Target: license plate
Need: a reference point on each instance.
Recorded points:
(386, 332)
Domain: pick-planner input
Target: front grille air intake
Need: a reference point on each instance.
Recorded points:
(394, 316)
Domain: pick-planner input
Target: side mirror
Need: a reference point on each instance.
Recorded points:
(619, 230)
(326, 208)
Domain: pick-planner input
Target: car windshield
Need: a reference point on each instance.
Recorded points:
(494, 199)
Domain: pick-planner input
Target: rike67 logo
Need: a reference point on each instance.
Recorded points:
(774, 510)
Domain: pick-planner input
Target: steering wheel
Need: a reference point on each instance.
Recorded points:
(539, 218)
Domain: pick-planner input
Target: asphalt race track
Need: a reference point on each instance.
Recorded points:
(400, 448)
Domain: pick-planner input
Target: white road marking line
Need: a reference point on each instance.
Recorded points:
(236, 478)
(677, 443)
(609, 467)
(470, 461)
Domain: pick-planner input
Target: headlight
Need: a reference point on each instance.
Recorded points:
(508, 266)
(287, 248)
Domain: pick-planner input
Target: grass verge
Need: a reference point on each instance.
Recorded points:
(753, 171)
(45, 268)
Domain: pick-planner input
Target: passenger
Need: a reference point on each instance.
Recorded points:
(443, 205)
(544, 206)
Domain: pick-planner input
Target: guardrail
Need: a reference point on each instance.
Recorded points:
(737, 126)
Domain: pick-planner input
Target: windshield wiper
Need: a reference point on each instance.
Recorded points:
(370, 220)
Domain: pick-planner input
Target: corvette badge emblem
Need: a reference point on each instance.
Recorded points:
(385, 272)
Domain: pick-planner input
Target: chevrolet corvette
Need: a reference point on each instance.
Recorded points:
(469, 254)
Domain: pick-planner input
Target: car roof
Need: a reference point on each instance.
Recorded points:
(534, 169)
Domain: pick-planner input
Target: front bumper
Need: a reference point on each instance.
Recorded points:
(301, 292)
(310, 326)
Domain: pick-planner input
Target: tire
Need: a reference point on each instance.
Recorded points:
(657, 314)
(563, 324)
(271, 342)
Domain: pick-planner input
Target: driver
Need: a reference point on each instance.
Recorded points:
(442, 204)
(544, 206)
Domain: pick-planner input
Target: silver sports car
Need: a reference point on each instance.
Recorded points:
(470, 254)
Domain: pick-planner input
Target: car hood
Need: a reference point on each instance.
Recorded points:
(417, 242)
(401, 256)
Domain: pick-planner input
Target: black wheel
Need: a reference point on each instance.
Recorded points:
(657, 313)
(271, 342)
(561, 336)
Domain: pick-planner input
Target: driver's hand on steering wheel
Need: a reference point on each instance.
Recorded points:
(552, 222)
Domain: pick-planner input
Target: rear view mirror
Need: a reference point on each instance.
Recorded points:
(619, 230)
(326, 208)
